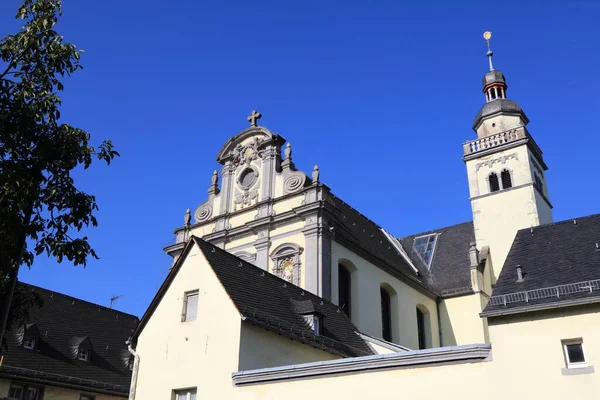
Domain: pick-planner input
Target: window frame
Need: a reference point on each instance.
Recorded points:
(568, 363)
(432, 237)
(32, 340)
(386, 314)
(25, 389)
(506, 173)
(188, 392)
(345, 276)
(86, 351)
(184, 312)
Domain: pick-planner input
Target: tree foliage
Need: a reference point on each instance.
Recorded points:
(41, 208)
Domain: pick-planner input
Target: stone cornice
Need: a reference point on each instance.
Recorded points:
(454, 354)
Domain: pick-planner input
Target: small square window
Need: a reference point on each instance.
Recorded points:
(83, 355)
(574, 353)
(29, 343)
(190, 306)
(188, 394)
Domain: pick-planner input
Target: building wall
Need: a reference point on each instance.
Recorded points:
(55, 392)
(367, 280)
(260, 348)
(526, 363)
(498, 216)
(460, 322)
(200, 353)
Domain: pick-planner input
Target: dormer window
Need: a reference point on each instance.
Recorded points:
(29, 343)
(425, 246)
(83, 354)
(314, 321)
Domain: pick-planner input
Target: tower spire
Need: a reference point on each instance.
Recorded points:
(487, 35)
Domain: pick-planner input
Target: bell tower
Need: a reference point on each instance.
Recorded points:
(506, 171)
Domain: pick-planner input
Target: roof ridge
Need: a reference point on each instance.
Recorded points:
(436, 229)
(78, 299)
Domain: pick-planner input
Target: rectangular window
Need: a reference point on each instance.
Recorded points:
(574, 354)
(19, 392)
(83, 355)
(188, 394)
(29, 343)
(190, 306)
(16, 392)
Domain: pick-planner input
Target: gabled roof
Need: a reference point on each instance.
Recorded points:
(560, 264)
(272, 303)
(61, 321)
(449, 272)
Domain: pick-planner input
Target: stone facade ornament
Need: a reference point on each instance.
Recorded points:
(187, 218)
(315, 174)
(214, 183)
(253, 117)
(503, 160)
(247, 153)
(287, 263)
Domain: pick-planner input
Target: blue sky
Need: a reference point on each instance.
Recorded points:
(380, 94)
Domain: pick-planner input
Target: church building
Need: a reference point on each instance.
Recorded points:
(279, 288)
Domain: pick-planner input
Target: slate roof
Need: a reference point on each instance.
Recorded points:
(498, 106)
(366, 234)
(61, 321)
(265, 300)
(550, 256)
(449, 272)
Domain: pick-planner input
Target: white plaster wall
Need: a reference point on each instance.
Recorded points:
(287, 204)
(55, 392)
(200, 353)
(366, 302)
(260, 348)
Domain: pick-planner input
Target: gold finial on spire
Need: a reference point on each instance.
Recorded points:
(487, 35)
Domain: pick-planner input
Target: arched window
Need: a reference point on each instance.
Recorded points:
(386, 315)
(538, 183)
(421, 329)
(506, 179)
(494, 184)
(344, 290)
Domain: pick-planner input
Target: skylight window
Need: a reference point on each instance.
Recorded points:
(425, 246)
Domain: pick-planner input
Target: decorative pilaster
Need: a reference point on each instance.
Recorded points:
(262, 250)
(317, 257)
(227, 187)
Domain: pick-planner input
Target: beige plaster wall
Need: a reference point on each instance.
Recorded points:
(202, 230)
(260, 348)
(460, 322)
(287, 204)
(501, 124)
(55, 392)
(526, 363)
(200, 353)
(366, 302)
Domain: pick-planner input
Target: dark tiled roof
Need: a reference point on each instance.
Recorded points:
(271, 302)
(61, 321)
(450, 267)
(366, 234)
(498, 106)
(562, 253)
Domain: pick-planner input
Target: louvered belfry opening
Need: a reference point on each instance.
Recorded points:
(494, 183)
(506, 179)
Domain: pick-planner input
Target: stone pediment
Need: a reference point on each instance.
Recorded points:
(254, 136)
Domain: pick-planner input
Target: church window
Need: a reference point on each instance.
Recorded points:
(386, 315)
(421, 329)
(574, 354)
(188, 394)
(345, 290)
(494, 184)
(506, 179)
(424, 246)
(190, 306)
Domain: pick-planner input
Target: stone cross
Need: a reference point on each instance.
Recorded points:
(253, 117)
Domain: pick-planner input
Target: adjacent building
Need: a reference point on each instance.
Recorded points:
(68, 349)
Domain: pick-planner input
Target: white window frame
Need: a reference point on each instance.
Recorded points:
(187, 392)
(83, 354)
(184, 312)
(573, 365)
(18, 387)
(29, 342)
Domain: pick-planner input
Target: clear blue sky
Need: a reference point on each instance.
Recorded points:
(380, 94)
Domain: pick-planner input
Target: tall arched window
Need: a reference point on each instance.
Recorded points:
(421, 329)
(386, 315)
(506, 179)
(345, 290)
(494, 184)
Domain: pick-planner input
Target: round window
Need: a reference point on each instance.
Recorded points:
(247, 178)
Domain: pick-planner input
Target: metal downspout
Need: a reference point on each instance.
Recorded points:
(136, 363)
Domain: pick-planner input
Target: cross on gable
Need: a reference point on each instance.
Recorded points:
(253, 117)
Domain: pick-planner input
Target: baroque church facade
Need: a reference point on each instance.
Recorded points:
(278, 287)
